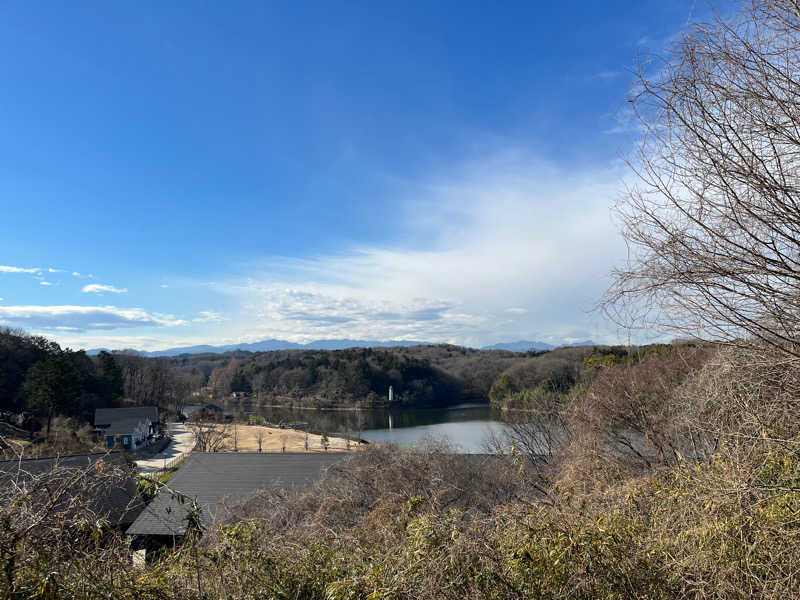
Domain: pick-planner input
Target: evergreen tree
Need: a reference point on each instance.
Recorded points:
(53, 386)
(240, 383)
(110, 377)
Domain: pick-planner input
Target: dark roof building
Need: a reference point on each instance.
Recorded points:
(212, 478)
(128, 427)
(108, 489)
(125, 426)
(104, 417)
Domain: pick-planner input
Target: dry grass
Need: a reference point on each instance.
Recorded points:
(274, 439)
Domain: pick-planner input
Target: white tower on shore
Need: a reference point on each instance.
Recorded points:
(391, 394)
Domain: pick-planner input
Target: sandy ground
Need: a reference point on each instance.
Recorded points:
(274, 439)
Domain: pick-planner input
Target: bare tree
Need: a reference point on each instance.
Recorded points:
(538, 434)
(220, 378)
(713, 224)
(260, 437)
(59, 514)
(209, 437)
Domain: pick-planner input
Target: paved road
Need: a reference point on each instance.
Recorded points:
(182, 442)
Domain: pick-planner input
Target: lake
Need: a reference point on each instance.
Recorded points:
(465, 426)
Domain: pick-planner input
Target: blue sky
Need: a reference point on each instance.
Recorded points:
(200, 172)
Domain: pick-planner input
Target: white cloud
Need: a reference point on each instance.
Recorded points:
(505, 232)
(627, 122)
(302, 314)
(498, 250)
(113, 341)
(45, 283)
(98, 288)
(81, 318)
(164, 285)
(607, 75)
(8, 269)
(76, 274)
(208, 316)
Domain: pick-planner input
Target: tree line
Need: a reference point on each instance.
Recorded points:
(435, 375)
(40, 380)
(329, 378)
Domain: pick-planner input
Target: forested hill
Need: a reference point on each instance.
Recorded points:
(328, 378)
(40, 381)
(434, 375)
(40, 378)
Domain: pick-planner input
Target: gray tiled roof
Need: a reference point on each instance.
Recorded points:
(211, 478)
(119, 504)
(123, 427)
(104, 417)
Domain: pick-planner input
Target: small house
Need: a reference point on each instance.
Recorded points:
(130, 434)
(129, 427)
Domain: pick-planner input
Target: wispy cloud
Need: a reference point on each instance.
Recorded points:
(508, 231)
(82, 318)
(119, 341)
(510, 247)
(37, 272)
(45, 283)
(98, 288)
(303, 314)
(208, 316)
(626, 122)
(9, 269)
(607, 75)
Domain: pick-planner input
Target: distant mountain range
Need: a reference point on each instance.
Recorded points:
(521, 346)
(524, 346)
(272, 344)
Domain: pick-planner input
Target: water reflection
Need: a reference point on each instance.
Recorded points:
(465, 436)
(466, 426)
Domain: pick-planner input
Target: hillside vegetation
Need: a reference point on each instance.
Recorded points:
(678, 477)
(44, 387)
(420, 375)
(56, 390)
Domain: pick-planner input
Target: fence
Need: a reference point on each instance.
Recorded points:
(173, 462)
(165, 466)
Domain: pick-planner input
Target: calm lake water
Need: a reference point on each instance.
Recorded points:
(465, 426)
